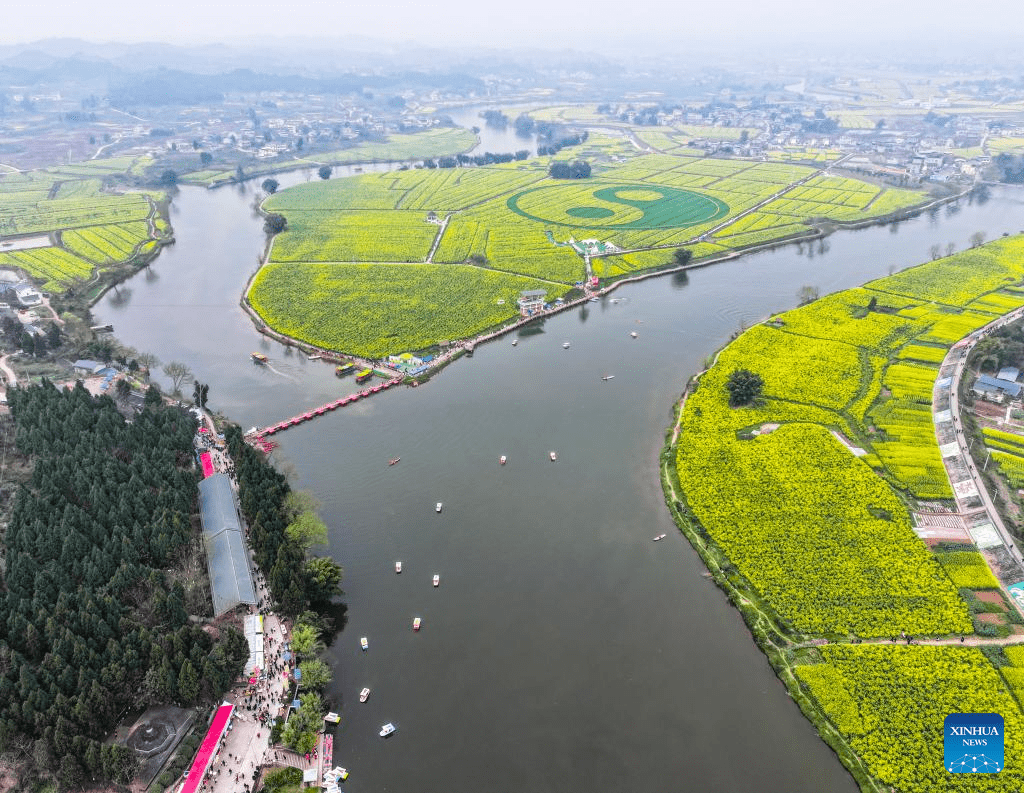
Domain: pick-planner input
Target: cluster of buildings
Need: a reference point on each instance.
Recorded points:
(1005, 387)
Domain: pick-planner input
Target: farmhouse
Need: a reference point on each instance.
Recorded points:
(996, 389)
(531, 300)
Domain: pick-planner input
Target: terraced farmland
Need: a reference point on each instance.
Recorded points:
(90, 226)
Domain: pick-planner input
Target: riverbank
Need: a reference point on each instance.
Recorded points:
(805, 646)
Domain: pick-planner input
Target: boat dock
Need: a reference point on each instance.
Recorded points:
(260, 438)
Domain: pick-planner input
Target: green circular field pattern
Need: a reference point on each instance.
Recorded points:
(616, 206)
(590, 212)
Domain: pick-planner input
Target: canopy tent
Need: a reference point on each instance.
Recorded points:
(208, 748)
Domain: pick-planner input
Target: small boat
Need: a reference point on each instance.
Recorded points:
(332, 718)
(438, 507)
(565, 345)
(633, 334)
(344, 369)
(398, 567)
(553, 456)
(342, 773)
(364, 375)
(260, 358)
(595, 300)
(503, 459)
(660, 537)
(314, 357)
(364, 643)
(416, 624)
(608, 377)
(515, 342)
(387, 730)
(393, 461)
(364, 695)
(437, 580)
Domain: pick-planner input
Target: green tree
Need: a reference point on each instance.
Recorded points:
(275, 223)
(315, 674)
(306, 640)
(169, 178)
(307, 530)
(153, 398)
(323, 577)
(744, 387)
(205, 158)
(682, 255)
(123, 389)
(807, 294)
(270, 186)
(188, 684)
(325, 172)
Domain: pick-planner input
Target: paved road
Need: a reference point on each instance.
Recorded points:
(958, 356)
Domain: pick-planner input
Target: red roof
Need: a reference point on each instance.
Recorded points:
(208, 748)
(207, 463)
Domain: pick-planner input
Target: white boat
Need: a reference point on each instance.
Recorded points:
(437, 580)
(332, 718)
(515, 342)
(553, 456)
(633, 334)
(416, 624)
(364, 643)
(608, 377)
(387, 729)
(503, 459)
(438, 507)
(398, 567)
(595, 300)
(342, 773)
(660, 537)
(314, 357)
(565, 345)
(364, 695)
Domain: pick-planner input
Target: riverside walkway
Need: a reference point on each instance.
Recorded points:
(259, 437)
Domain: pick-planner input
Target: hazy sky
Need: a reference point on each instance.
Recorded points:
(586, 24)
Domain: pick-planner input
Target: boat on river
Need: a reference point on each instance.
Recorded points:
(438, 507)
(364, 695)
(502, 460)
(515, 342)
(398, 567)
(364, 643)
(437, 580)
(343, 369)
(660, 537)
(608, 377)
(364, 375)
(553, 456)
(394, 460)
(260, 358)
(314, 357)
(387, 730)
(565, 345)
(416, 624)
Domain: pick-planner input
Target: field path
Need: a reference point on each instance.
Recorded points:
(437, 238)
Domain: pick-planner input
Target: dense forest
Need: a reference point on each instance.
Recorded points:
(93, 611)
(298, 583)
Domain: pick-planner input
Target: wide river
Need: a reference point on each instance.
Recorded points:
(564, 651)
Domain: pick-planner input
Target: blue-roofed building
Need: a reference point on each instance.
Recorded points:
(1011, 373)
(227, 556)
(996, 389)
(84, 367)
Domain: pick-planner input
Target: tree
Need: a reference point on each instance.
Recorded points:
(977, 238)
(239, 173)
(682, 255)
(152, 398)
(324, 172)
(188, 684)
(123, 389)
(53, 336)
(744, 387)
(270, 186)
(807, 294)
(935, 251)
(315, 674)
(275, 223)
(306, 530)
(178, 373)
(205, 158)
(169, 178)
(950, 248)
(306, 640)
(323, 580)
(147, 360)
(299, 501)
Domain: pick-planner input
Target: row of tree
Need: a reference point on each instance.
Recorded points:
(94, 612)
(577, 169)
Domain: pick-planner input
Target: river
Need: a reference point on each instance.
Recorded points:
(564, 651)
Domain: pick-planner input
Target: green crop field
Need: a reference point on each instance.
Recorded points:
(399, 147)
(92, 226)
(374, 309)
(514, 219)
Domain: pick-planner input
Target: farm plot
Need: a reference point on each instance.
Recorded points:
(378, 309)
(889, 702)
(107, 244)
(56, 268)
(355, 236)
(401, 147)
